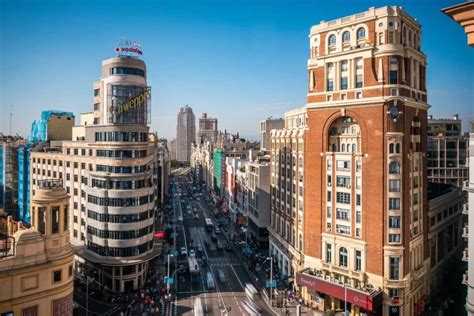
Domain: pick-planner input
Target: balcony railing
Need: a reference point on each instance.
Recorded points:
(465, 255)
(465, 232)
(464, 279)
(465, 209)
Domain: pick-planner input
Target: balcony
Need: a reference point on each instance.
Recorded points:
(465, 209)
(465, 232)
(465, 255)
(464, 279)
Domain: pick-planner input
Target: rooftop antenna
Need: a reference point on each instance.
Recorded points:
(11, 115)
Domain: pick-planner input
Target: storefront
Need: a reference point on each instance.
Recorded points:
(326, 295)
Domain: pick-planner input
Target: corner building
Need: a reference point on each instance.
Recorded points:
(365, 185)
(107, 170)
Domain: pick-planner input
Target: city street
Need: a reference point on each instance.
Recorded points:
(226, 294)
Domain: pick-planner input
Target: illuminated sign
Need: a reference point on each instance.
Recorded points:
(128, 48)
(131, 104)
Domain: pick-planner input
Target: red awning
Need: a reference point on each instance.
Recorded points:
(359, 298)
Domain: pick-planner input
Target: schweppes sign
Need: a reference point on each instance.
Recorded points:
(131, 104)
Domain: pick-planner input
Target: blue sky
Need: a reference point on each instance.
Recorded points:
(240, 61)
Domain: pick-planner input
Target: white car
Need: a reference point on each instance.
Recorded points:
(184, 252)
(218, 230)
(192, 253)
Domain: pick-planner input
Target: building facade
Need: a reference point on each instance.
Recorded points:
(207, 129)
(185, 134)
(365, 231)
(447, 151)
(108, 170)
(287, 193)
(445, 216)
(36, 264)
(265, 128)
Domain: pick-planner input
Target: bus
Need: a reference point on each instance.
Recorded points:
(209, 224)
(193, 269)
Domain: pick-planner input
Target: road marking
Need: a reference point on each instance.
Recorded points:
(243, 288)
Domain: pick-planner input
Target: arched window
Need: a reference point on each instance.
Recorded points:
(394, 167)
(415, 40)
(409, 37)
(390, 149)
(343, 148)
(398, 148)
(353, 148)
(334, 147)
(343, 257)
(332, 40)
(346, 37)
(360, 33)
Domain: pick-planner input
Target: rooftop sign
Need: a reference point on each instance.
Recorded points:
(128, 48)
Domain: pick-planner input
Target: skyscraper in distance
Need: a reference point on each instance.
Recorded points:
(185, 133)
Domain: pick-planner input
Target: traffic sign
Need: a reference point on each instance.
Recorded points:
(271, 284)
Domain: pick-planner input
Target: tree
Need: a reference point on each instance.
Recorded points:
(174, 164)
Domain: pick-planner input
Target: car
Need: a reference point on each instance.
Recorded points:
(220, 246)
(192, 253)
(196, 216)
(184, 252)
(182, 269)
(221, 275)
(189, 213)
(199, 248)
(217, 230)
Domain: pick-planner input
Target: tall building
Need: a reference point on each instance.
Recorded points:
(365, 221)
(265, 127)
(36, 264)
(207, 129)
(463, 13)
(286, 188)
(53, 125)
(9, 173)
(447, 151)
(108, 170)
(185, 134)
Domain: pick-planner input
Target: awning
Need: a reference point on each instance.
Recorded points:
(367, 300)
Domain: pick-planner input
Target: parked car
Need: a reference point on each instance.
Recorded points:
(182, 269)
(217, 230)
(184, 252)
(199, 248)
(192, 253)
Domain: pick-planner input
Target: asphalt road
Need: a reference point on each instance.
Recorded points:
(228, 294)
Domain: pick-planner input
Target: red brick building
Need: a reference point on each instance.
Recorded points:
(365, 198)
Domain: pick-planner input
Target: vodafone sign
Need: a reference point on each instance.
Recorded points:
(128, 48)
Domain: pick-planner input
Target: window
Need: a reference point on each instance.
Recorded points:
(394, 203)
(393, 293)
(393, 76)
(359, 63)
(127, 71)
(328, 212)
(360, 33)
(358, 202)
(394, 185)
(332, 40)
(390, 37)
(56, 276)
(330, 85)
(329, 196)
(358, 260)
(393, 238)
(343, 181)
(358, 95)
(343, 165)
(55, 220)
(30, 311)
(394, 167)
(346, 37)
(343, 229)
(343, 83)
(343, 257)
(328, 253)
(394, 268)
(96, 92)
(70, 270)
(96, 106)
(359, 81)
(343, 214)
(394, 222)
(344, 198)
(344, 64)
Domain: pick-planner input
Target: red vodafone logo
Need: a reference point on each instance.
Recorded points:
(117, 49)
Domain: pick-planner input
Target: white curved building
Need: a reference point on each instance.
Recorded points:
(108, 171)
